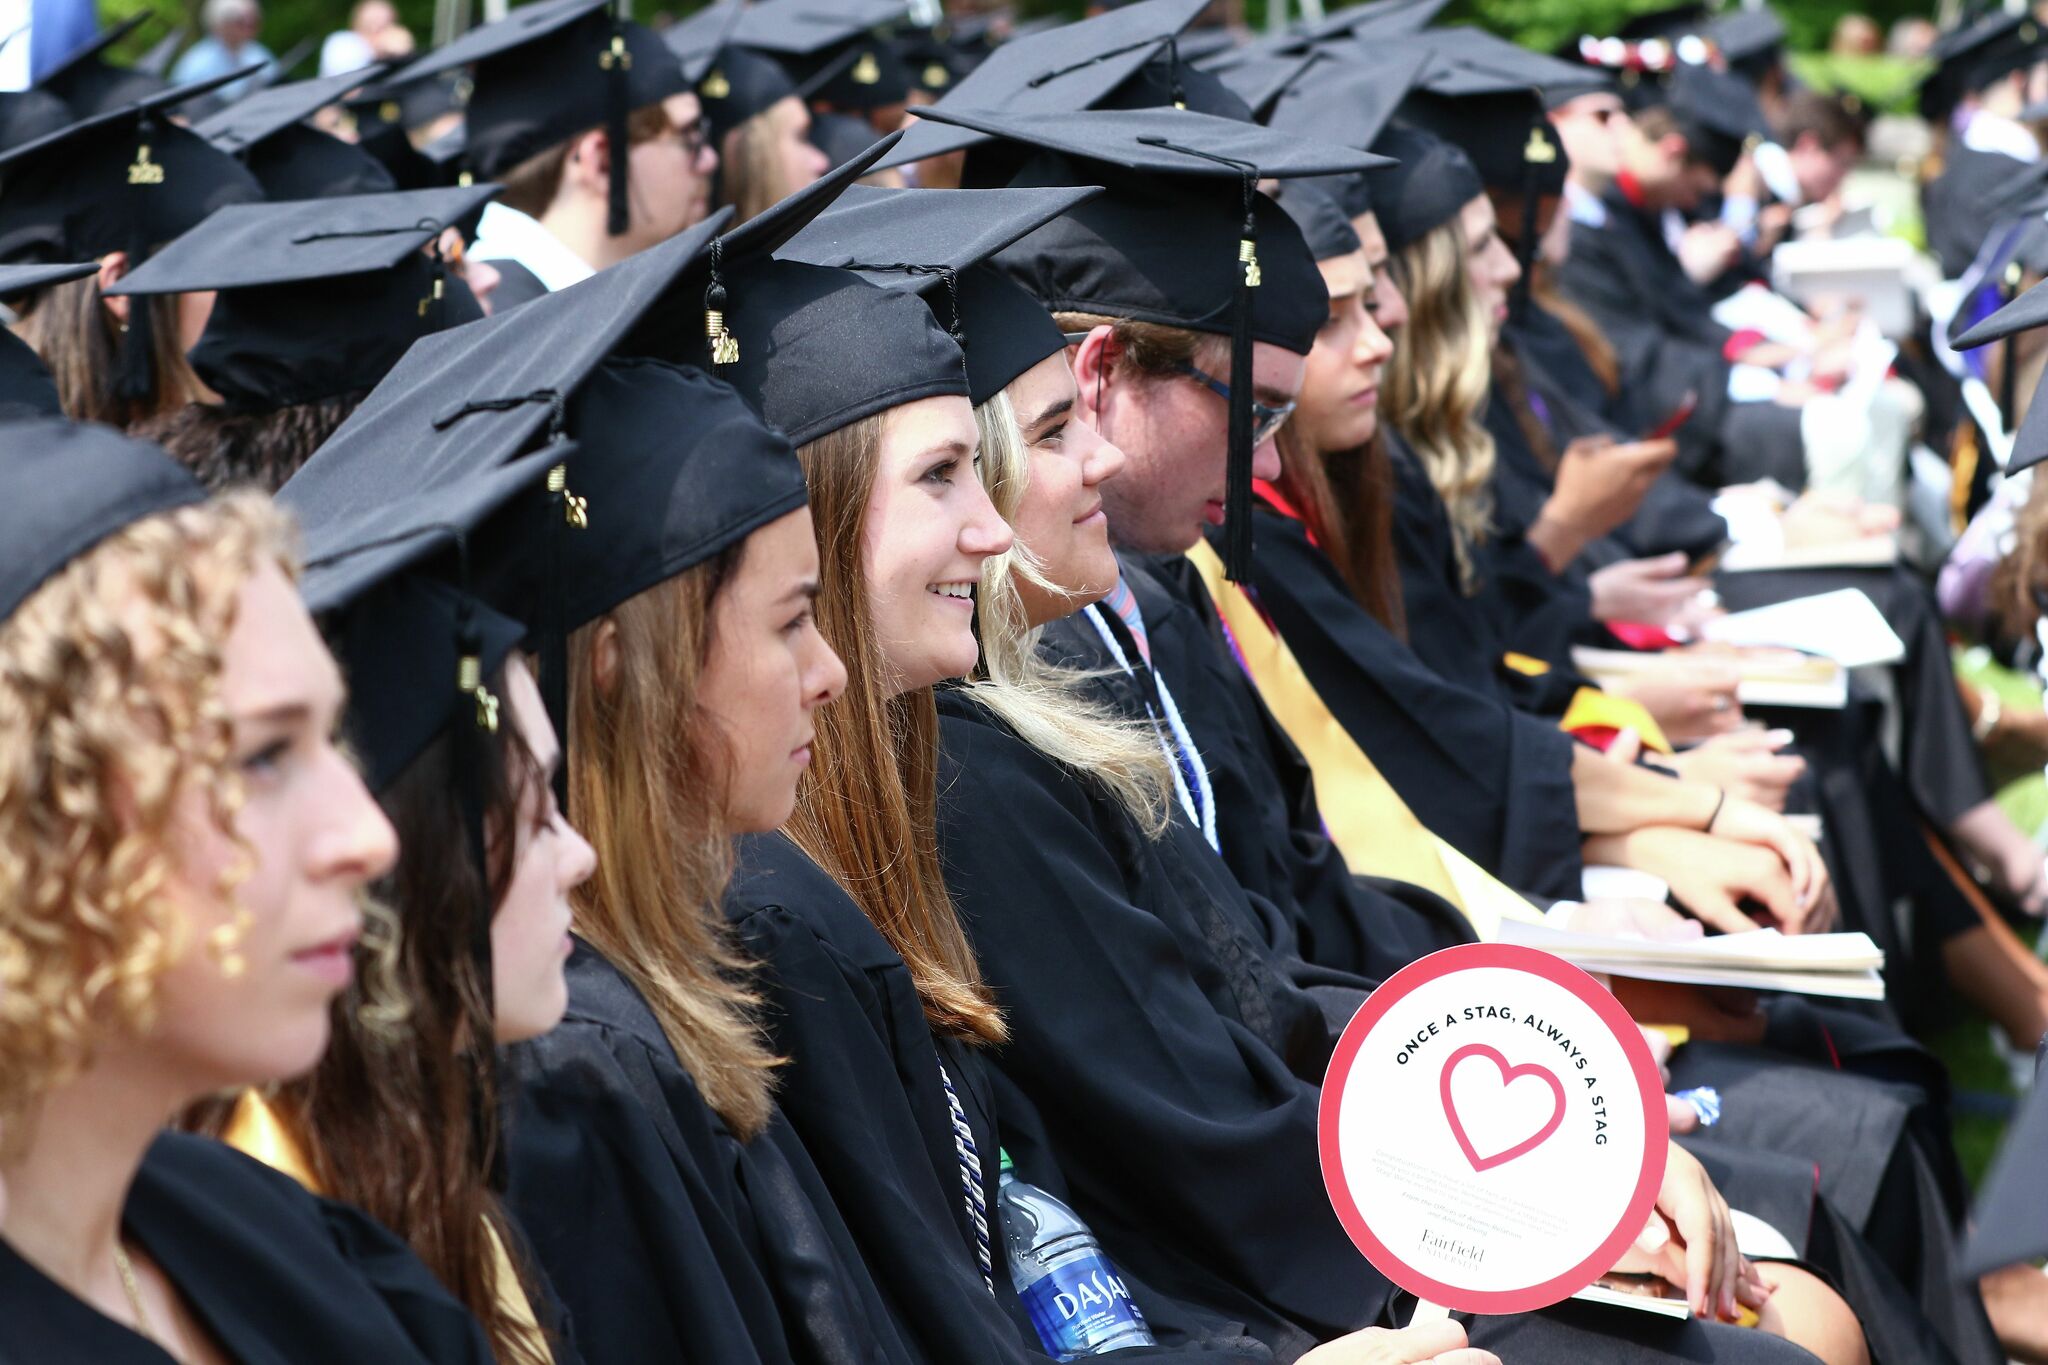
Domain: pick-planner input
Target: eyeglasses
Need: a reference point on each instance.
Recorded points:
(692, 137)
(1266, 420)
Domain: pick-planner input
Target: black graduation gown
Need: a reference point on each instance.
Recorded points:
(277, 1275)
(1874, 1135)
(666, 1237)
(1571, 402)
(1962, 205)
(1269, 827)
(1163, 1051)
(1659, 322)
(1494, 783)
(863, 1091)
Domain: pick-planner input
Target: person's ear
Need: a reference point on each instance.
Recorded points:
(113, 266)
(1674, 147)
(589, 163)
(1094, 362)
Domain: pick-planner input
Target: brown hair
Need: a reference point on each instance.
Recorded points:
(1825, 116)
(532, 185)
(647, 774)
(403, 1119)
(224, 448)
(71, 329)
(1346, 500)
(867, 809)
(101, 740)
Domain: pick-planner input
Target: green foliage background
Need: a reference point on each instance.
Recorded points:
(1540, 24)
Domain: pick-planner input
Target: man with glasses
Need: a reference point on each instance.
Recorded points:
(547, 81)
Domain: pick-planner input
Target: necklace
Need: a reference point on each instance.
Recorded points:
(134, 1290)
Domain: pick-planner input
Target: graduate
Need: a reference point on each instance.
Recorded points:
(401, 1118)
(589, 123)
(1986, 72)
(183, 879)
(662, 1193)
(272, 133)
(872, 991)
(1189, 975)
(755, 113)
(67, 200)
(311, 304)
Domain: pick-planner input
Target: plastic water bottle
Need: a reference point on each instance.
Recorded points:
(1076, 1299)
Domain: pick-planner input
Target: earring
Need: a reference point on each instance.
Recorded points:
(224, 945)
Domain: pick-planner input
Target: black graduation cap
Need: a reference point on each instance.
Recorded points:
(1169, 81)
(1973, 55)
(1473, 61)
(318, 297)
(88, 85)
(69, 487)
(931, 241)
(26, 388)
(290, 158)
(1063, 69)
(838, 55)
(2010, 1219)
(1350, 102)
(126, 180)
(1752, 40)
(1183, 238)
(1324, 224)
(1717, 112)
(935, 65)
(548, 71)
(1430, 180)
(476, 397)
(26, 115)
(1379, 19)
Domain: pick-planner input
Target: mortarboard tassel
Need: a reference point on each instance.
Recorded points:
(616, 62)
(135, 375)
(1537, 152)
(1237, 487)
(723, 346)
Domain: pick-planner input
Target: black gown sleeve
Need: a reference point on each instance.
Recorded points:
(863, 1091)
(1168, 1142)
(1494, 783)
(665, 1235)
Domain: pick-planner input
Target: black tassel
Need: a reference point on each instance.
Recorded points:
(1536, 152)
(722, 346)
(616, 62)
(470, 737)
(1237, 494)
(136, 379)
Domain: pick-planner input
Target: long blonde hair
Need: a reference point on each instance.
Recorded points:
(751, 176)
(647, 774)
(100, 741)
(1437, 383)
(867, 808)
(1040, 700)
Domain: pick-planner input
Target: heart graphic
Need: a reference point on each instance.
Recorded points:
(1508, 1076)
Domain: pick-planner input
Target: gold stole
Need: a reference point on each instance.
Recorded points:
(256, 1130)
(1368, 821)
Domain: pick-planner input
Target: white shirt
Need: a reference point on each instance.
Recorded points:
(1989, 132)
(506, 234)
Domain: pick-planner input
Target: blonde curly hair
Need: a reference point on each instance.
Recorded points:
(111, 710)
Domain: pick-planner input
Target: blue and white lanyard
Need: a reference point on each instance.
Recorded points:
(1190, 775)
